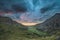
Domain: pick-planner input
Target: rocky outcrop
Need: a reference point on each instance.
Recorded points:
(51, 24)
(10, 22)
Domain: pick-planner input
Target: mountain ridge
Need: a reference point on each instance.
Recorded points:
(52, 23)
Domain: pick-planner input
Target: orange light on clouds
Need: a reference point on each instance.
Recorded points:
(26, 23)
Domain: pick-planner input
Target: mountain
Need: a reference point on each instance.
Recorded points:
(51, 24)
(11, 30)
(9, 21)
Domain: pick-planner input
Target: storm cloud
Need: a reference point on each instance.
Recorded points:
(29, 10)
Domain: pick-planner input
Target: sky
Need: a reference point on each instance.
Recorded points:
(36, 11)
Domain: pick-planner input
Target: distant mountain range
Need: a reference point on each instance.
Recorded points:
(50, 24)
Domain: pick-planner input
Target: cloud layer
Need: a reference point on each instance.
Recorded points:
(29, 10)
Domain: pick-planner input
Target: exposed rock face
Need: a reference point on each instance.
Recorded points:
(51, 24)
(6, 20)
(9, 21)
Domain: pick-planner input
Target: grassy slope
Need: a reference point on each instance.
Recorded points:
(15, 31)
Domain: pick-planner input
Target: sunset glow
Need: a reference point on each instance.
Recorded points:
(26, 23)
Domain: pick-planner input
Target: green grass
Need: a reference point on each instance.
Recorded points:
(13, 32)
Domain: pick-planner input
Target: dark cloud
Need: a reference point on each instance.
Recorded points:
(19, 8)
(12, 5)
(32, 9)
(47, 8)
